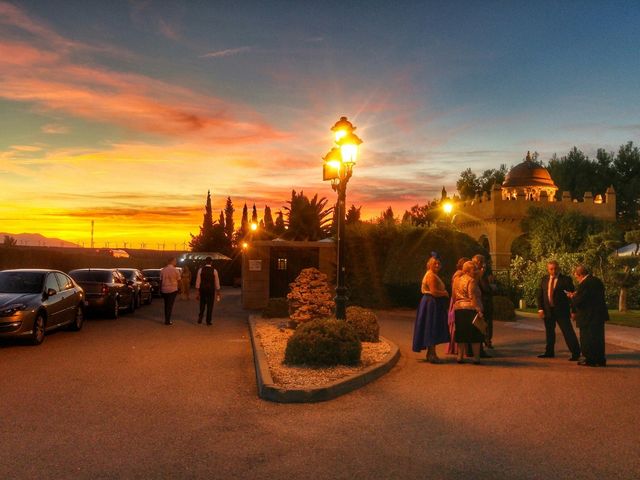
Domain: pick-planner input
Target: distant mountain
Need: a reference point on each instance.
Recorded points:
(37, 240)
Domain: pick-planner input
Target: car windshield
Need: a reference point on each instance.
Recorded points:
(151, 273)
(21, 282)
(91, 276)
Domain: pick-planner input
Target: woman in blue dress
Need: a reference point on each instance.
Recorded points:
(431, 327)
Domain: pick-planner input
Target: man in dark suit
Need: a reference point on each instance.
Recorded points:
(590, 308)
(554, 307)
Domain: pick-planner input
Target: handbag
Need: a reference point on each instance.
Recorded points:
(480, 323)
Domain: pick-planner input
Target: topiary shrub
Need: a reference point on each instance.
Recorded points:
(503, 309)
(310, 297)
(365, 323)
(276, 308)
(323, 342)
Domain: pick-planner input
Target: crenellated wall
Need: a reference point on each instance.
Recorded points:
(499, 218)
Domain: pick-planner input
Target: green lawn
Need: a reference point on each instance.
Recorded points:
(629, 319)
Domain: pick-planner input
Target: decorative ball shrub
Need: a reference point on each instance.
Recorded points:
(365, 323)
(276, 308)
(503, 309)
(323, 342)
(310, 297)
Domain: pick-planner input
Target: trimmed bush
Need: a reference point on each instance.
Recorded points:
(503, 309)
(365, 323)
(323, 342)
(276, 308)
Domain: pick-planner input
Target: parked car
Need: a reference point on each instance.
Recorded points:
(33, 302)
(106, 290)
(153, 276)
(141, 286)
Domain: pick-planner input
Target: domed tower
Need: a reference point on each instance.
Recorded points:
(528, 179)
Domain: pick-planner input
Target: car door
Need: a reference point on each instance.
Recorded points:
(69, 300)
(53, 303)
(123, 289)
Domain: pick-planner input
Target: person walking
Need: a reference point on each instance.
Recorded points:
(452, 346)
(185, 282)
(467, 305)
(430, 327)
(590, 309)
(169, 281)
(207, 285)
(554, 307)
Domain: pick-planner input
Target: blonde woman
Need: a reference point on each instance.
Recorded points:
(431, 320)
(452, 348)
(467, 304)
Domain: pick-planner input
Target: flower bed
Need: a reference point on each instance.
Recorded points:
(273, 336)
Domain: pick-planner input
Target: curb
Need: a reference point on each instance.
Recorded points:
(267, 390)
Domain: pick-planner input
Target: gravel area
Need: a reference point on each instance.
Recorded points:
(273, 336)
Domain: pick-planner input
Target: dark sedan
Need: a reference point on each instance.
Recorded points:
(153, 275)
(106, 290)
(141, 286)
(33, 302)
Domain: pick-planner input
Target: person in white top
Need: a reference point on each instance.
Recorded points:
(207, 284)
(169, 281)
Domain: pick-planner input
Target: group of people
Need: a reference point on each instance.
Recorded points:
(172, 280)
(464, 319)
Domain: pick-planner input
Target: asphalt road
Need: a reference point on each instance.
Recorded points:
(132, 398)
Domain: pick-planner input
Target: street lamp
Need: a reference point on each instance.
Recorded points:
(338, 168)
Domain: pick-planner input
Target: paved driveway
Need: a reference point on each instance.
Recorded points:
(131, 398)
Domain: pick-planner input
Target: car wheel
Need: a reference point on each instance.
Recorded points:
(139, 300)
(114, 311)
(78, 321)
(39, 324)
(149, 298)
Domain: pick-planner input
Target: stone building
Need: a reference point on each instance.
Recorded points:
(269, 266)
(495, 219)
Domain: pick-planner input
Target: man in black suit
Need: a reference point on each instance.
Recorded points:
(590, 308)
(554, 307)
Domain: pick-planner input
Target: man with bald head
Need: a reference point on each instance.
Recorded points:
(590, 308)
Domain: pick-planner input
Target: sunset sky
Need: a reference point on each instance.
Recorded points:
(127, 112)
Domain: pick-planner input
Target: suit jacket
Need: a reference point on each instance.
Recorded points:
(589, 302)
(561, 303)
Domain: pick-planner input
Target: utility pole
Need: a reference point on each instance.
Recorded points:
(91, 234)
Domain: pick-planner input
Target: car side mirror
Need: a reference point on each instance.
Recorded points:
(50, 293)
(130, 282)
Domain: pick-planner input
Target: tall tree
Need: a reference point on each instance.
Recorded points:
(244, 223)
(468, 184)
(307, 219)
(254, 214)
(279, 227)
(211, 237)
(353, 215)
(627, 184)
(229, 227)
(387, 217)
(268, 220)
(221, 219)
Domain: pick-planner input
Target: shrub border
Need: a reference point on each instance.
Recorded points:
(268, 390)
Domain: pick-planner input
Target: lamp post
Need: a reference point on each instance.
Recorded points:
(338, 168)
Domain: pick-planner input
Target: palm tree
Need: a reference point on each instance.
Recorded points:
(307, 219)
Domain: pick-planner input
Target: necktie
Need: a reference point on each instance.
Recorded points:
(552, 281)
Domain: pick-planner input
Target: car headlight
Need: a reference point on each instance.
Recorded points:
(12, 309)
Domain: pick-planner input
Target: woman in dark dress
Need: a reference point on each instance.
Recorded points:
(467, 304)
(431, 326)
